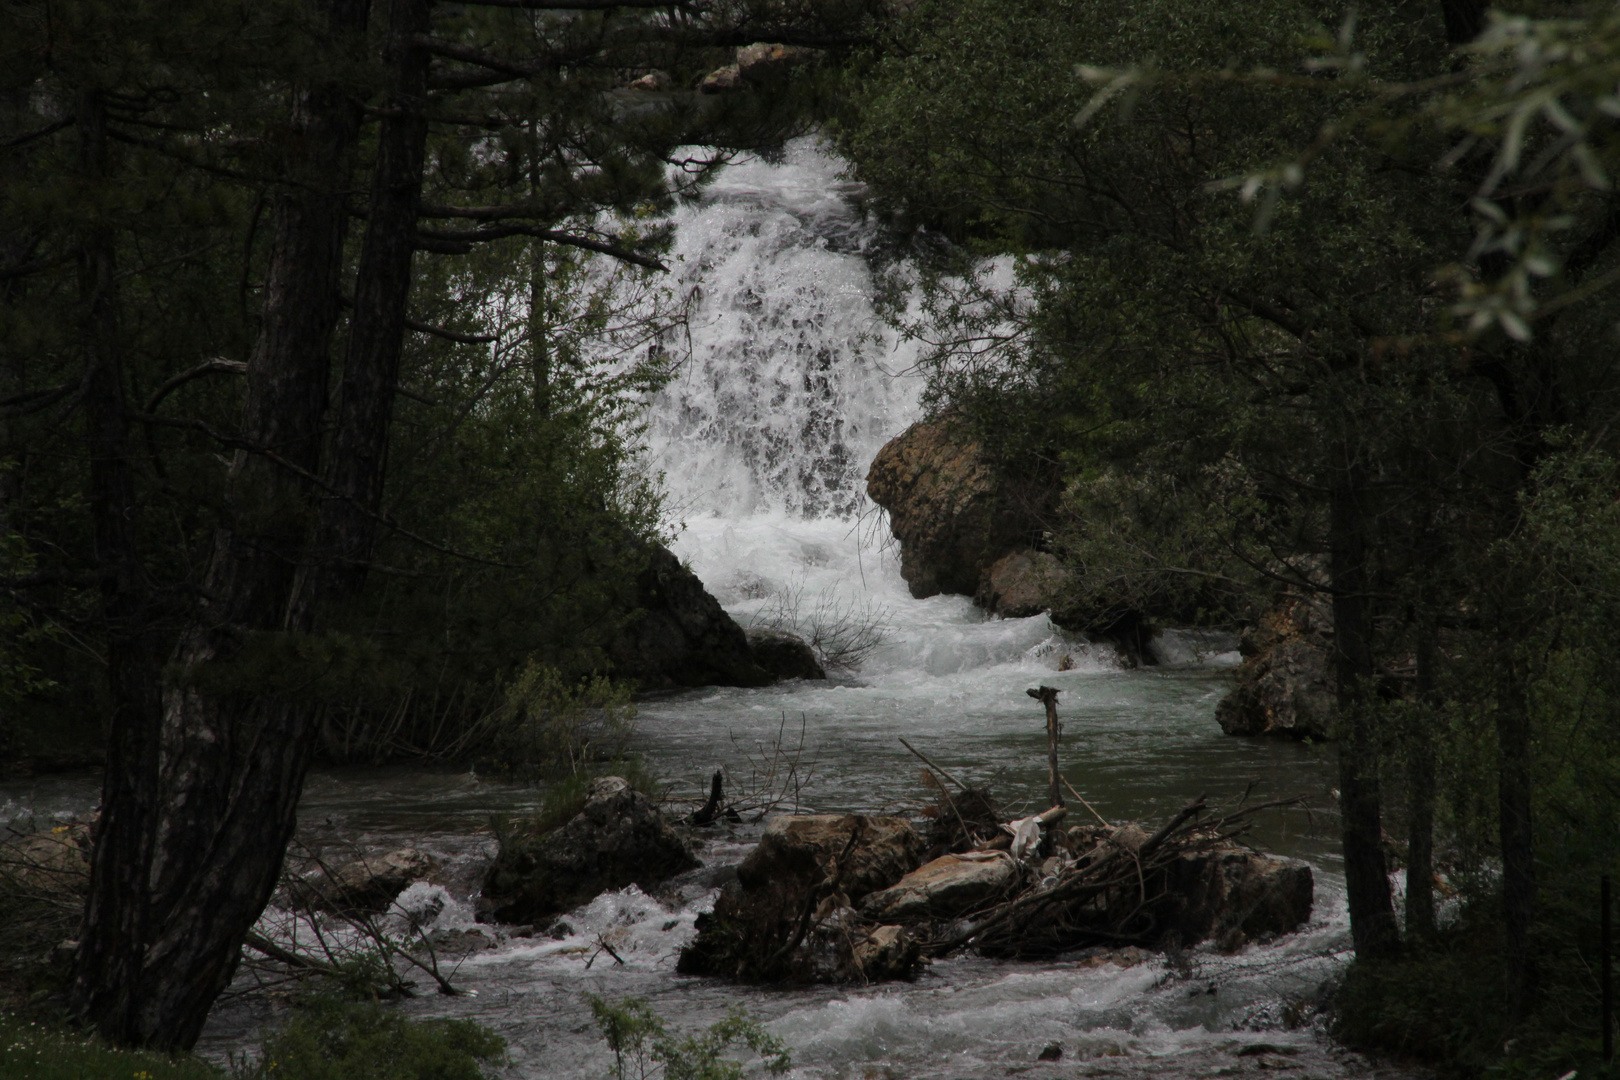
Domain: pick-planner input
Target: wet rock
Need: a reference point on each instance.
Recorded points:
(679, 634)
(784, 655)
(720, 80)
(888, 952)
(1023, 583)
(949, 886)
(652, 81)
(1284, 686)
(618, 839)
(863, 853)
(1050, 1052)
(766, 63)
(1235, 895)
(365, 885)
(953, 515)
(790, 915)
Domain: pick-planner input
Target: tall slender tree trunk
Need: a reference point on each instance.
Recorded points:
(123, 840)
(199, 803)
(1372, 911)
(357, 466)
(1518, 850)
(1420, 781)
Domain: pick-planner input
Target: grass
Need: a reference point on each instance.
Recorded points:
(32, 1051)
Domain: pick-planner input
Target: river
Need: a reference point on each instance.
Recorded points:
(763, 440)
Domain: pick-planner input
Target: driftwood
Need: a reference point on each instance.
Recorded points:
(1114, 893)
(1047, 696)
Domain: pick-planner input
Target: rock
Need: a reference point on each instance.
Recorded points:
(765, 63)
(888, 952)
(949, 886)
(720, 80)
(1236, 894)
(1284, 685)
(804, 848)
(680, 635)
(1023, 583)
(652, 81)
(618, 839)
(365, 885)
(953, 515)
(789, 915)
(784, 655)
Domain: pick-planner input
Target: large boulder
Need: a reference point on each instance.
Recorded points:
(1284, 685)
(790, 915)
(1234, 895)
(364, 884)
(619, 838)
(1024, 583)
(680, 635)
(863, 853)
(951, 511)
(784, 655)
(949, 886)
(767, 62)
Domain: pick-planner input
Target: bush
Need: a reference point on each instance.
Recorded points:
(1446, 1002)
(32, 1051)
(643, 1050)
(331, 1039)
(551, 727)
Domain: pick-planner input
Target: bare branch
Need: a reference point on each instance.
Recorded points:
(210, 367)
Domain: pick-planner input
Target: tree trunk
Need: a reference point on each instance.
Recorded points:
(124, 842)
(358, 462)
(1518, 852)
(198, 809)
(1420, 781)
(1372, 910)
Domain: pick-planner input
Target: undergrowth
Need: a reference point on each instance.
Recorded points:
(1445, 1001)
(33, 1051)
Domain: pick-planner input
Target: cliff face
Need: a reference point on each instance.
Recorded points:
(952, 514)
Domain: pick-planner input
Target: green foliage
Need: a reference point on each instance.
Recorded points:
(547, 727)
(329, 1039)
(32, 1051)
(1445, 1001)
(644, 1050)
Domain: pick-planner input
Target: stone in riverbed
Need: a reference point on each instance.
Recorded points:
(865, 854)
(949, 886)
(788, 916)
(618, 839)
(1235, 894)
(784, 655)
(365, 885)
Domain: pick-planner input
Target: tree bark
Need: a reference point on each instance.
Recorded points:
(357, 465)
(1518, 851)
(1372, 910)
(199, 806)
(1420, 781)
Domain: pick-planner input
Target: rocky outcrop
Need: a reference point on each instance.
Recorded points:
(1024, 583)
(784, 655)
(1284, 685)
(618, 839)
(1236, 895)
(790, 915)
(953, 515)
(680, 635)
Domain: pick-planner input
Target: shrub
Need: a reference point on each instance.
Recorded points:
(644, 1050)
(332, 1039)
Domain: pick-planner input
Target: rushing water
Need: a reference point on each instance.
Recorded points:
(764, 440)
